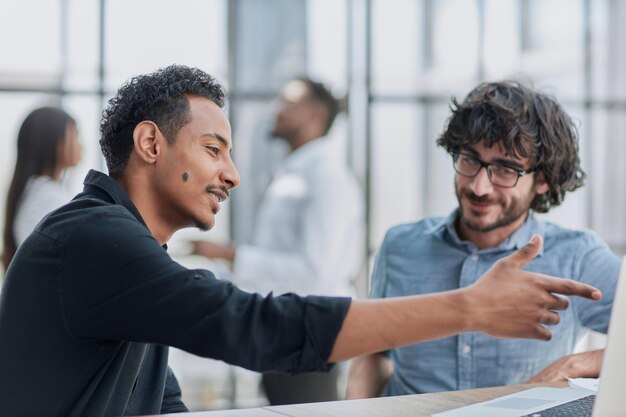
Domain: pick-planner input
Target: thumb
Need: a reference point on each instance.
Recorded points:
(527, 253)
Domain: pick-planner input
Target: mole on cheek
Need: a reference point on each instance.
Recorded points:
(185, 176)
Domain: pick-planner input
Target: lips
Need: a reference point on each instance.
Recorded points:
(215, 203)
(217, 196)
(478, 204)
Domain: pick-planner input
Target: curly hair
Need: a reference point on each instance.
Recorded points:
(526, 124)
(160, 97)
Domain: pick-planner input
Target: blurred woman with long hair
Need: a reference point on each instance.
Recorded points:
(47, 144)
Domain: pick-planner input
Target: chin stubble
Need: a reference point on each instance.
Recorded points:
(202, 226)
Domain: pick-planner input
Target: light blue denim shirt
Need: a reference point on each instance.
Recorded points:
(429, 256)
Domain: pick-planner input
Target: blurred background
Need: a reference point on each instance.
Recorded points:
(396, 63)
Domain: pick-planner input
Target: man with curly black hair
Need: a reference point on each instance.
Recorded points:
(92, 300)
(514, 151)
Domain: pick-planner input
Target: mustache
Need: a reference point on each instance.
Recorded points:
(476, 198)
(210, 188)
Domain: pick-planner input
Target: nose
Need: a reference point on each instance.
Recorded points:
(230, 176)
(481, 184)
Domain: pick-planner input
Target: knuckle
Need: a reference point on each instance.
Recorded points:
(548, 299)
(558, 303)
(536, 280)
(569, 286)
(546, 333)
(526, 250)
(501, 263)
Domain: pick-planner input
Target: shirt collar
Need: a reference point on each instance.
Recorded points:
(301, 156)
(447, 227)
(102, 183)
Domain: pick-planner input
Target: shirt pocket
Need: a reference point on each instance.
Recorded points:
(519, 360)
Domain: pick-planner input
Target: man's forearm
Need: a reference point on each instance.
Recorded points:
(368, 376)
(376, 325)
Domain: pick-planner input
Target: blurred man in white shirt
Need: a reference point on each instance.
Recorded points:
(309, 230)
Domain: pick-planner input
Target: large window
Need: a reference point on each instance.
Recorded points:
(445, 48)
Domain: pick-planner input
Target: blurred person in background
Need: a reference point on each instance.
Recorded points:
(310, 228)
(47, 144)
(515, 152)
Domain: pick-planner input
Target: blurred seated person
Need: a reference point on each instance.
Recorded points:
(47, 144)
(515, 152)
(309, 231)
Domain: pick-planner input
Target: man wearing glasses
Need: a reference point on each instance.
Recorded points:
(515, 151)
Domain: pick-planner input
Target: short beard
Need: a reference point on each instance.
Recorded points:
(504, 221)
(202, 226)
(516, 210)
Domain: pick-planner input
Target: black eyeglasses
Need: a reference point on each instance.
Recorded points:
(501, 175)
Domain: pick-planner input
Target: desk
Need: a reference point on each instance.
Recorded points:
(421, 405)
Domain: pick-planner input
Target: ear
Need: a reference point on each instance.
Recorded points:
(146, 139)
(541, 186)
(319, 116)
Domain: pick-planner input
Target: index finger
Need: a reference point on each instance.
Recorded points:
(571, 287)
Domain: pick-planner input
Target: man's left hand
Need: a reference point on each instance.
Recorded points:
(213, 250)
(579, 365)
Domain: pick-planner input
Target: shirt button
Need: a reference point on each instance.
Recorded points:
(474, 257)
(466, 349)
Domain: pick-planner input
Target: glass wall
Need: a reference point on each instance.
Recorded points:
(445, 48)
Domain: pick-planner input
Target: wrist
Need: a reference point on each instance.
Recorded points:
(230, 253)
(585, 364)
(462, 300)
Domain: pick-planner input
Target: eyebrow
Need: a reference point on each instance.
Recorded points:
(513, 163)
(219, 137)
